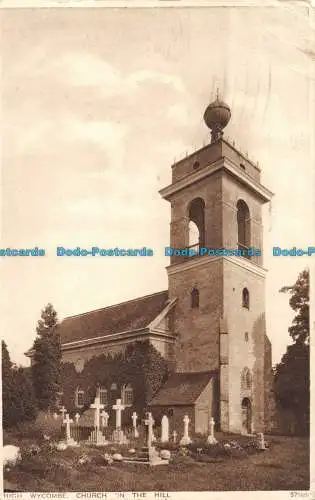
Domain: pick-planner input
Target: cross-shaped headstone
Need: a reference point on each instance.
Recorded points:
(211, 439)
(134, 417)
(212, 422)
(149, 422)
(185, 439)
(118, 407)
(68, 421)
(97, 407)
(104, 418)
(63, 410)
(164, 429)
(76, 417)
(174, 436)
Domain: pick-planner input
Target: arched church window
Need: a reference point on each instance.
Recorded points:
(245, 298)
(194, 298)
(196, 225)
(243, 226)
(79, 397)
(127, 395)
(246, 379)
(103, 396)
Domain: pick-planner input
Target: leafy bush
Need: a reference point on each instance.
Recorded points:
(43, 425)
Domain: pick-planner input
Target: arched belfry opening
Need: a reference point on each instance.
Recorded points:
(243, 225)
(196, 225)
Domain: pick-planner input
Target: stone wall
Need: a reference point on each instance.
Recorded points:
(197, 329)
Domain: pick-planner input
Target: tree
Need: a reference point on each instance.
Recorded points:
(17, 392)
(47, 359)
(299, 301)
(5, 358)
(292, 384)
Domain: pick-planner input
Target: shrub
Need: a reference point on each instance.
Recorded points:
(44, 424)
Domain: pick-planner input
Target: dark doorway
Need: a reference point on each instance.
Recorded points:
(247, 415)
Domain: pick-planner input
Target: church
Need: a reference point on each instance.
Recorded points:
(210, 323)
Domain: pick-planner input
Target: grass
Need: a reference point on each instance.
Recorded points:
(284, 466)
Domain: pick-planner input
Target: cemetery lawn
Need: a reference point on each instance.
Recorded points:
(285, 466)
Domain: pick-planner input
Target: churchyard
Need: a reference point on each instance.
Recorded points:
(59, 453)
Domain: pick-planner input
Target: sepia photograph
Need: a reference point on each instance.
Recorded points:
(157, 247)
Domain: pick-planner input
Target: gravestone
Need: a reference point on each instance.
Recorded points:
(174, 436)
(69, 440)
(164, 429)
(97, 438)
(104, 419)
(118, 435)
(148, 454)
(76, 418)
(149, 422)
(260, 441)
(211, 439)
(63, 411)
(134, 425)
(185, 439)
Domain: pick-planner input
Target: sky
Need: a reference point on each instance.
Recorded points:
(97, 104)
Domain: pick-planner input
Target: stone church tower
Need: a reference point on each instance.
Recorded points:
(216, 202)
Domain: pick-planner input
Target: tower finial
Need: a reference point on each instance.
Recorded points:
(216, 117)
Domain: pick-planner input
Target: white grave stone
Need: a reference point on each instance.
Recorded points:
(134, 424)
(118, 407)
(55, 415)
(69, 440)
(63, 411)
(97, 407)
(211, 439)
(260, 441)
(118, 435)
(149, 422)
(76, 418)
(164, 429)
(104, 418)
(97, 438)
(185, 439)
(174, 436)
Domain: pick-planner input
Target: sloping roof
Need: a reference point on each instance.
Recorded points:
(182, 389)
(131, 315)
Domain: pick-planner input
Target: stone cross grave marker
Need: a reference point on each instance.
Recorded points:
(76, 418)
(118, 434)
(97, 407)
(174, 436)
(69, 440)
(134, 424)
(185, 439)
(63, 411)
(97, 438)
(164, 429)
(149, 422)
(211, 439)
(104, 418)
(118, 407)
